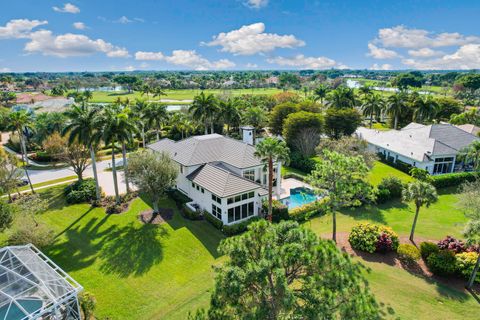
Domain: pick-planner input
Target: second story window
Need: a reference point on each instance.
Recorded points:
(249, 174)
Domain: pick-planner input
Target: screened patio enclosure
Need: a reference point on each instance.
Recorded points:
(34, 287)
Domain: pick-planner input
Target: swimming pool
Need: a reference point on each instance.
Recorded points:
(298, 197)
(14, 313)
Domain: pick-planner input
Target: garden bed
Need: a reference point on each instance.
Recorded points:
(147, 216)
(391, 258)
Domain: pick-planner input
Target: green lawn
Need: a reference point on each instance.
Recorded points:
(184, 94)
(381, 170)
(141, 271)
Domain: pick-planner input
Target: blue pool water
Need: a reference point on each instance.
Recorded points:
(299, 197)
(14, 312)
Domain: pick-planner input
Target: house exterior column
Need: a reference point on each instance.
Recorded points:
(279, 179)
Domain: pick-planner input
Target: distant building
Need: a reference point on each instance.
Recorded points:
(470, 128)
(431, 147)
(272, 80)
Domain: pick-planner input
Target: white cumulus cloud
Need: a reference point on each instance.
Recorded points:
(186, 58)
(69, 44)
(466, 57)
(402, 37)
(424, 53)
(302, 62)
(252, 39)
(381, 53)
(143, 55)
(256, 3)
(67, 8)
(79, 25)
(384, 66)
(19, 28)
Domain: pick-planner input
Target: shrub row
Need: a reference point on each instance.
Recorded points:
(452, 179)
(400, 165)
(279, 210)
(237, 228)
(213, 220)
(81, 191)
(294, 176)
(302, 163)
(408, 253)
(308, 210)
(450, 256)
(191, 214)
(178, 197)
(373, 238)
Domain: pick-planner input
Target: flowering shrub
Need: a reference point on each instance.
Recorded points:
(427, 248)
(408, 253)
(452, 244)
(465, 262)
(371, 237)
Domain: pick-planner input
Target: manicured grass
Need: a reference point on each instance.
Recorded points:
(141, 271)
(135, 271)
(403, 295)
(186, 94)
(439, 220)
(381, 170)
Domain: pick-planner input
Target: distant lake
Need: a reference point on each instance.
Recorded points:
(353, 84)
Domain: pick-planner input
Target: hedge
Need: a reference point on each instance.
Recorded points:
(294, 176)
(191, 214)
(453, 179)
(81, 191)
(400, 165)
(308, 210)
(234, 229)
(301, 162)
(279, 210)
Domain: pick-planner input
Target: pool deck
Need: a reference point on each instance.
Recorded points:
(288, 184)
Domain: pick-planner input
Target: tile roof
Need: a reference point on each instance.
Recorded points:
(221, 182)
(470, 128)
(418, 142)
(209, 148)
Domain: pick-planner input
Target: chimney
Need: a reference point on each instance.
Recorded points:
(248, 134)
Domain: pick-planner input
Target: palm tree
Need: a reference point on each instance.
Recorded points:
(230, 112)
(204, 108)
(255, 116)
(139, 109)
(472, 154)
(425, 108)
(155, 116)
(320, 93)
(395, 107)
(372, 106)
(20, 122)
(421, 193)
(271, 150)
(365, 91)
(342, 98)
(117, 127)
(84, 124)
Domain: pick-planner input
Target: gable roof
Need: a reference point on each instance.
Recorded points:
(222, 182)
(470, 128)
(419, 142)
(209, 148)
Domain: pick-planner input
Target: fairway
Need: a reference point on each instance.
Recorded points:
(182, 94)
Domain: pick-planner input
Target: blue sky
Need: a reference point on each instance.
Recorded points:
(107, 35)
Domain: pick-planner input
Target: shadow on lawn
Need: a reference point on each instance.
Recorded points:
(202, 230)
(132, 250)
(375, 213)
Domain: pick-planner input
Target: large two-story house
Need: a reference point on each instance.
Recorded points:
(434, 147)
(220, 174)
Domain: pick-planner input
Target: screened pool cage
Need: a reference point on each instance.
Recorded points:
(33, 287)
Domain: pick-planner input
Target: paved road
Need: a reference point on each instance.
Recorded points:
(105, 177)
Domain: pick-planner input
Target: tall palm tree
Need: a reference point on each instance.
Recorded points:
(320, 93)
(84, 124)
(117, 128)
(421, 193)
(425, 108)
(372, 106)
(19, 122)
(139, 109)
(230, 112)
(342, 98)
(395, 106)
(155, 116)
(204, 108)
(271, 150)
(365, 91)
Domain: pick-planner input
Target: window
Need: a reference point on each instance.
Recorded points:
(193, 185)
(181, 169)
(216, 199)
(217, 212)
(443, 165)
(203, 190)
(241, 197)
(249, 174)
(241, 212)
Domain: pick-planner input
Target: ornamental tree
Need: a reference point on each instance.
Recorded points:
(343, 180)
(284, 271)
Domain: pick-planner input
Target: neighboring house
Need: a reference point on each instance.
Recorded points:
(431, 147)
(470, 128)
(220, 174)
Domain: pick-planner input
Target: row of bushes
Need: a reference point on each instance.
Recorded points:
(229, 230)
(452, 179)
(400, 165)
(301, 162)
(308, 210)
(371, 238)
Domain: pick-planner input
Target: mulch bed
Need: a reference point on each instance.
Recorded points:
(147, 216)
(391, 258)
